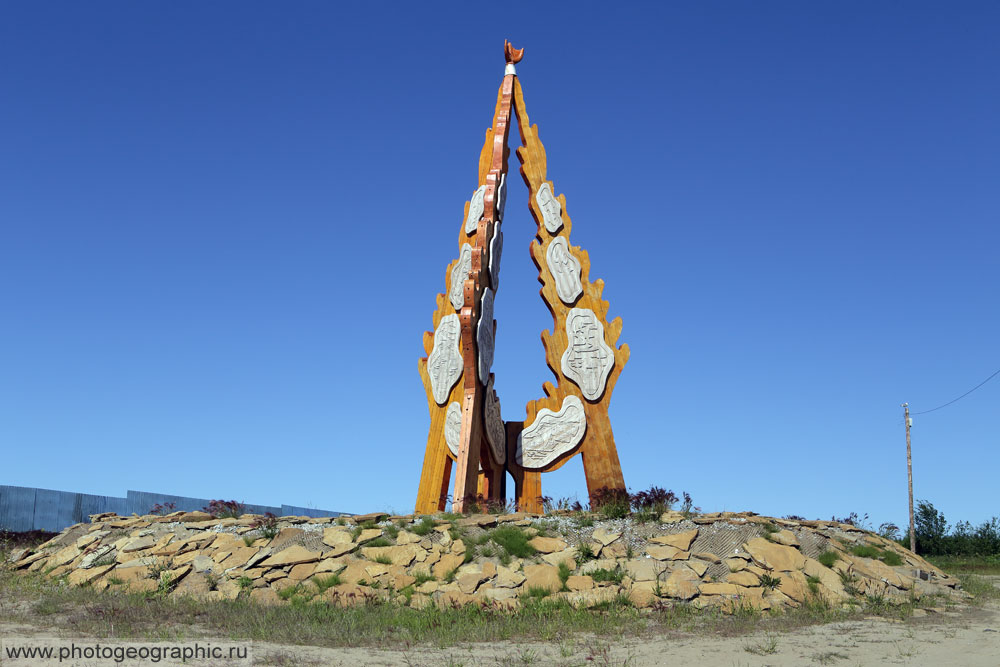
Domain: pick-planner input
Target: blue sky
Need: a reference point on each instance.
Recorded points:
(224, 226)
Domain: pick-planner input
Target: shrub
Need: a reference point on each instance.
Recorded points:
(477, 503)
(654, 500)
(768, 582)
(267, 525)
(687, 507)
(611, 503)
(563, 504)
(224, 509)
(165, 508)
(853, 519)
(889, 531)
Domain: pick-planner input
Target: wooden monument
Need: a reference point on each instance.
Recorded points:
(572, 418)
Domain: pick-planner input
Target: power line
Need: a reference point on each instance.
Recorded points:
(924, 412)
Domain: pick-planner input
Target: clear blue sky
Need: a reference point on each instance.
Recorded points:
(224, 226)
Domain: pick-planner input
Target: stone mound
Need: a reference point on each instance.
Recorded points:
(727, 560)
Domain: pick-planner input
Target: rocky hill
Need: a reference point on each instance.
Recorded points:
(728, 560)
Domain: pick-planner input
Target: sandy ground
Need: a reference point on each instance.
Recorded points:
(970, 637)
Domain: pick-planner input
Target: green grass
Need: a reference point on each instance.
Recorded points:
(423, 528)
(979, 588)
(564, 573)
(614, 576)
(584, 552)
(964, 564)
(768, 582)
(391, 530)
(538, 592)
(322, 583)
(378, 542)
(32, 599)
(513, 541)
(828, 558)
(869, 551)
(866, 551)
(892, 558)
(383, 560)
(290, 592)
(769, 528)
(423, 578)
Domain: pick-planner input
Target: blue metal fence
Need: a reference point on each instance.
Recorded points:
(24, 508)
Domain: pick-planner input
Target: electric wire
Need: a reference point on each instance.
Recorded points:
(954, 400)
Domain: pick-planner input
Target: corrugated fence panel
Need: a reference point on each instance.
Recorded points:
(24, 508)
(292, 510)
(142, 502)
(17, 508)
(99, 505)
(46, 516)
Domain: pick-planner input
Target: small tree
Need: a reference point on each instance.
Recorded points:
(931, 528)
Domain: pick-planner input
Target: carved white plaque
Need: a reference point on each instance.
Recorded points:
(496, 435)
(484, 335)
(501, 197)
(475, 210)
(453, 426)
(496, 249)
(552, 434)
(550, 207)
(444, 365)
(565, 269)
(458, 276)
(587, 360)
(453, 429)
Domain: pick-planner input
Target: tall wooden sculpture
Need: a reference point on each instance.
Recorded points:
(572, 418)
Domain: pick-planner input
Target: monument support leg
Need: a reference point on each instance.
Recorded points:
(467, 473)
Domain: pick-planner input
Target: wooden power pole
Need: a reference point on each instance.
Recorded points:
(909, 475)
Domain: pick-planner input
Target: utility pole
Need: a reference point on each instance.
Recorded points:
(909, 474)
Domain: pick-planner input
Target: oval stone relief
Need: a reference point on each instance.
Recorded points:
(552, 434)
(453, 426)
(496, 249)
(496, 434)
(501, 197)
(444, 364)
(453, 429)
(458, 275)
(484, 335)
(476, 207)
(550, 207)
(565, 269)
(587, 360)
